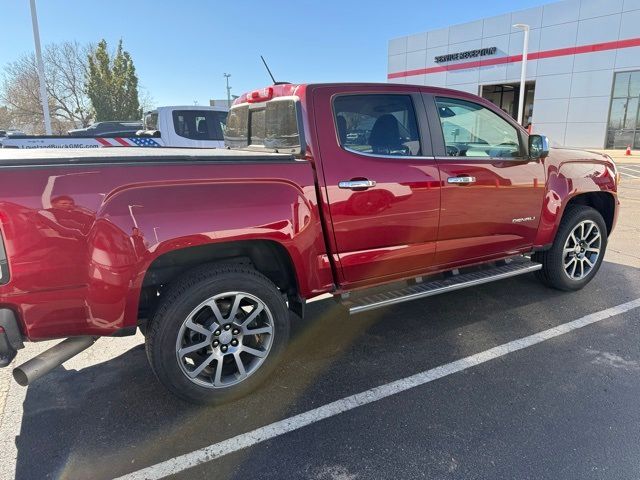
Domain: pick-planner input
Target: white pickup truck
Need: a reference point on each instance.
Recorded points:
(175, 126)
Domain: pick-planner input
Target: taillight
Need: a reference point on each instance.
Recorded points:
(616, 173)
(261, 95)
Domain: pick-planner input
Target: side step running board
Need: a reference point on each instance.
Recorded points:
(435, 287)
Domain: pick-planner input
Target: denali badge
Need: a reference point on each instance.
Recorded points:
(523, 219)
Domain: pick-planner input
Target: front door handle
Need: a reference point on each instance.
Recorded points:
(461, 180)
(357, 184)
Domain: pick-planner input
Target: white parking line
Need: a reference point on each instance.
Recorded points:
(633, 167)
(245, 440)
(625, 173)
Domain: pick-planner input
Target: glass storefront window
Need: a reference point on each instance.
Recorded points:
(616, 117)
(506, 96)
(621, 85)
(632, 113)
(624, 115)
(634, 85)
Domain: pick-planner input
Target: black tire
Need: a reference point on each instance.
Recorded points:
(188, 293)
(553, 272)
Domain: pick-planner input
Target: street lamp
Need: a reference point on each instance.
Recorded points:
(226, 77)
(133, 218)
(523, 73)
(43, 85)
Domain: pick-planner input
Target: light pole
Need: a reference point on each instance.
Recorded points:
(133, 218)
(43, 85)
(226, 77)
(523, 73)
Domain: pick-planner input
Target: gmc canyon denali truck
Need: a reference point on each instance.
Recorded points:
(375, 193)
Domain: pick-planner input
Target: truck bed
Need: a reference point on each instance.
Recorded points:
(14, 157)
(81, 228)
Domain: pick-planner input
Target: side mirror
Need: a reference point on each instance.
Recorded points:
(538, 146)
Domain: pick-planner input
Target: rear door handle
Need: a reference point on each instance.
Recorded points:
(357, 184)
(461, 180)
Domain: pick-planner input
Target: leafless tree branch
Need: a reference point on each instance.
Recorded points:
(65, 71)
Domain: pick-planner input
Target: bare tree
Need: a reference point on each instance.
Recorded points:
(6, 121)
(65, 71)
(147, 102)
(68, 69)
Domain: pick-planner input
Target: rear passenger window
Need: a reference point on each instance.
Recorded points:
(377, 124)
(200, 124)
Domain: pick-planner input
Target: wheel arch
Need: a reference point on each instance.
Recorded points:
(267, 256)
(555, 206)
(603, 202)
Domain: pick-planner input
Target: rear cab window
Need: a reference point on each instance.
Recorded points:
(377, 124)
(199, 124)
(273, 125)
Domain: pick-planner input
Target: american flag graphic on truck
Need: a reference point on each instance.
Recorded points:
(63, 141)
(127, 142)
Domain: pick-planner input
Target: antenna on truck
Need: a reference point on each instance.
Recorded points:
(271, 74)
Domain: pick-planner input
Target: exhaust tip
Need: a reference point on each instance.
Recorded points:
(42, 364)
(20, 377)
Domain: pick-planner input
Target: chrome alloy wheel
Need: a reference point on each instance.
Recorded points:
(225, 339)
(581, 250)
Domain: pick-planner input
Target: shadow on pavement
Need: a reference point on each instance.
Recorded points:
(114, 417)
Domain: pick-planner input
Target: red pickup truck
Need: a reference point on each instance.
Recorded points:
(375, 193)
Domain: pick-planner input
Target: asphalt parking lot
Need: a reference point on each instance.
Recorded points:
(567, 407)
(629, 170)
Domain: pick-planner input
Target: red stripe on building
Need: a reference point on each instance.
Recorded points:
(103, 142)
(558, 52)
(122, 142)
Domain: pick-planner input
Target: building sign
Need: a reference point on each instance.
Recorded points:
(481, 52)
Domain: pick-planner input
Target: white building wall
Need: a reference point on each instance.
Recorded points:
(572, 92)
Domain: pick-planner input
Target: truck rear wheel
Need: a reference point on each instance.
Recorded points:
(577, 251)
(218, 333)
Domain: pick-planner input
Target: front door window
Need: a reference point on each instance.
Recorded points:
(471, 130)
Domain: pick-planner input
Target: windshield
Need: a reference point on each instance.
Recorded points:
(272, 125)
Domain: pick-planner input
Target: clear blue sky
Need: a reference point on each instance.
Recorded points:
(181, 48)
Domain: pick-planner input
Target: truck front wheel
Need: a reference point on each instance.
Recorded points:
(577, 251)
(218, 333)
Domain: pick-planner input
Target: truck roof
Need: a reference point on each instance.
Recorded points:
(287, 89)
(73, 156)
(212, 108)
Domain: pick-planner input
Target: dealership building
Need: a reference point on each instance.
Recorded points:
(583, 68)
